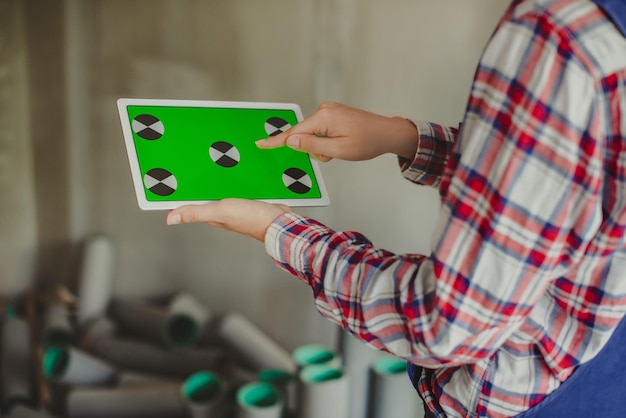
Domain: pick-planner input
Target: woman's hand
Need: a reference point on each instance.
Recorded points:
(247, 217)
(339, 131)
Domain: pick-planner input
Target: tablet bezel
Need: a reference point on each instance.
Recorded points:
(133, 158)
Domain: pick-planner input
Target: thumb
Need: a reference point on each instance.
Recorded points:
(192, 214)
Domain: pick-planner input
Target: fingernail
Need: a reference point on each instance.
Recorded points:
(293, 141)
(174, 219)
(260, 142)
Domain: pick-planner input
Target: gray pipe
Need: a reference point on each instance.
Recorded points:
(323, 392)
(256, 349)
(200, 396)
(16, 362)
(286, 385)
(134, 380)
(357, 359)
(186, 321)
(141, 357)
(74, 367)
(392, 394)
(182, 323)
(139, 318)
(144, 402)
(22, 411)
(96, 278)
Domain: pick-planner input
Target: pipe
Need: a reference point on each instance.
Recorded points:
(323, 392)
(392, 394)
(139, 319)
(143, 402)
(74, 367)
(182, 323)
(141, 357)
(256, 349)
(258, 400)
(357, 359)
(285, 383)
(96, 278)
(315, 354)
(203, 395)
(22, 411)
(16, 361)
(134, 380)
(186, 321)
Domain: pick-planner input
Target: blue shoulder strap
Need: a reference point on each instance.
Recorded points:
(616, 11)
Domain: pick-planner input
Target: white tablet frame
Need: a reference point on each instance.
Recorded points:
(133, 159)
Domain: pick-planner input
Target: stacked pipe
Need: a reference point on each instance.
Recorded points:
(379, 385)
(100, 355)
(16, 362)
(111, 356)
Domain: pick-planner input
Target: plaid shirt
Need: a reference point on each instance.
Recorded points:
(527, 274)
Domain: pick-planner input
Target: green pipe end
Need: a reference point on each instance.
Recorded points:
(312, 354)
(257, 395)
(202, 387)
(320, 374)
(55, 362)
(389, 365)
(10, 312)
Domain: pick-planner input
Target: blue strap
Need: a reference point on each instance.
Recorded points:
(616, 10)
(596, 389)
(414, 373)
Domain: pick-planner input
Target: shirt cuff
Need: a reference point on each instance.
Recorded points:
(433, 150)
(287, 235)
(406, 165)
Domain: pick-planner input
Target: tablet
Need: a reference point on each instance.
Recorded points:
(192, 152)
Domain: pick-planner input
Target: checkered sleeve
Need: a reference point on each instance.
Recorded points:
(520, 207)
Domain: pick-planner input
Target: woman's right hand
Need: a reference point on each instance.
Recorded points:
(339, 131)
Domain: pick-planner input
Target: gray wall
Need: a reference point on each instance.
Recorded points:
(63, 168)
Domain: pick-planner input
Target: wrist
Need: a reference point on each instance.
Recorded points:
(404, 138)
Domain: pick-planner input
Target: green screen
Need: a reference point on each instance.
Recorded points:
(182, 146)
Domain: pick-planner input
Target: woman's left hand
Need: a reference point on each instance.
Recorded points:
(247, 217)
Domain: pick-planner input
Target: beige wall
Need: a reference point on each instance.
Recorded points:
(18, 218)
(398, 57)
